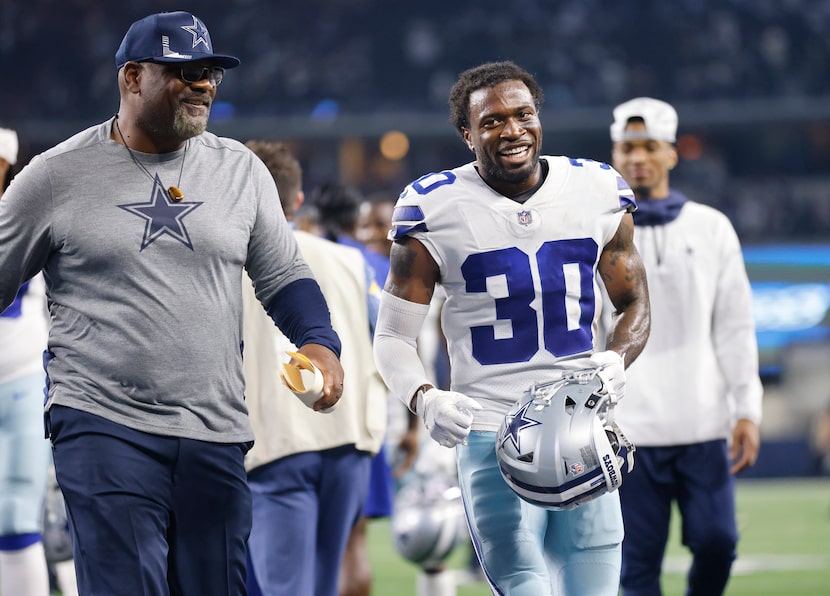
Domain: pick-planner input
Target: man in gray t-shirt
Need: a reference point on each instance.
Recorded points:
(142, 226)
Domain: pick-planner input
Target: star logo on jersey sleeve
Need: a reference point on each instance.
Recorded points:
(199, 33)
(516, 424)
(162, 216)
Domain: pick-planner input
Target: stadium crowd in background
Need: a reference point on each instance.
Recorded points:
(323, 60)
(355, 55)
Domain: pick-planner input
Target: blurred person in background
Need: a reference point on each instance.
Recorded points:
(24, 456)
(693, 402)
(309, 472)
(374, 221)
(425, 459)
(143, 226)
(338, 206)
(820, 440)
(372, 227)
(485, 232)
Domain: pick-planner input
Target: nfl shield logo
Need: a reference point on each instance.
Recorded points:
(577, 468)
(525, 218)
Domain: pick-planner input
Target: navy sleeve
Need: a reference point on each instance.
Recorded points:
(301, 313)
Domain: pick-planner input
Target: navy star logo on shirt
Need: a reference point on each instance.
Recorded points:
(516, 424)
(162, 216)
(199, 33)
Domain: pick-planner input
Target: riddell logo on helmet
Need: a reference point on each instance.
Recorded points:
(612, 473)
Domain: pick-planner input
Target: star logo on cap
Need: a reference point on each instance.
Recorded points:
(162, 216)
(199, 33)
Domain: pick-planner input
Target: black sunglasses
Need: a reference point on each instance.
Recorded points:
(193, 74)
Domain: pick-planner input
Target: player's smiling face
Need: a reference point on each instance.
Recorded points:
(506, 136)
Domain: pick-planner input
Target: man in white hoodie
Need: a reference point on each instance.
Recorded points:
(693, 401)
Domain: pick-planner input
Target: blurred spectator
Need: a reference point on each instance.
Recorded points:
(820, 439)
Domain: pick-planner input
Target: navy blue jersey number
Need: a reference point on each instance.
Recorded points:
(566, 274)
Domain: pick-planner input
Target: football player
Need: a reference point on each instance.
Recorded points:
(515, 239)
(24, 458)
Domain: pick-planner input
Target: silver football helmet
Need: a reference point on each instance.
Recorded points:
(559, 447)
(428, 520)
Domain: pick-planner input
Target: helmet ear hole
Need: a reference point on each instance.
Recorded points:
(570, 404)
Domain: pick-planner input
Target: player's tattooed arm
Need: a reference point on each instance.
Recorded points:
(413, 272)
(618, 266)
(624, 276)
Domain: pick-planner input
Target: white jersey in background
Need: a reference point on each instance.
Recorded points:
(24, 328)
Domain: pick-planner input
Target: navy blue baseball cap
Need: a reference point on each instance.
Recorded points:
(169, 37)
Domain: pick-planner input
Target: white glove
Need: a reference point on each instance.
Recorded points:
(447, 415)
(612, 372)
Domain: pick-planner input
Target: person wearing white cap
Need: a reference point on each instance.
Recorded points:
(693, 402)
(143, 226)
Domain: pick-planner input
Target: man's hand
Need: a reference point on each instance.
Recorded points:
(447, 415)
(612, 371)
(328, 364)
(746, 442)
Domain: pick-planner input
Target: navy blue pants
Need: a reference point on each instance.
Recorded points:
(381, 488)
(305, 506)
(697, 478)
(149, 514)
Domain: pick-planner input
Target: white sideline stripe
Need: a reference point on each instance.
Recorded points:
(747, 564)
(744, 565)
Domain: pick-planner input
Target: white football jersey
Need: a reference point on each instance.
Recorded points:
(24, 329)
(522, 303)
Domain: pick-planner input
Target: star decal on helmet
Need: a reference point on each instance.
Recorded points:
(162, 216)
(199, 32)
(516, 424)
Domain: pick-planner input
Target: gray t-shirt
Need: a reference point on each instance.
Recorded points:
(144, 292)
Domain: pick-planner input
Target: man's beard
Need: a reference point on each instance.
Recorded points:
(182, 128)
(513, 176)
(186, 127)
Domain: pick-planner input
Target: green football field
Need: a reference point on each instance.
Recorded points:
(784, 548)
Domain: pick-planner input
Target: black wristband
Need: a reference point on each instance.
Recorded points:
(301, 313)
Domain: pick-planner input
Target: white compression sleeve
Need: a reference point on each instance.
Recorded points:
(395, 347)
